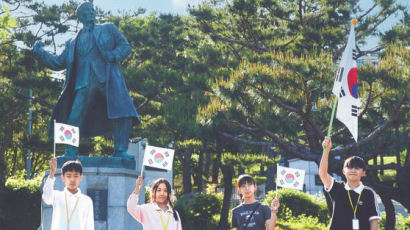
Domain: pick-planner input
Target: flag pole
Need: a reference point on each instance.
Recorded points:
(142, 169)
(54, 139)
(276, 184)
(329, 129)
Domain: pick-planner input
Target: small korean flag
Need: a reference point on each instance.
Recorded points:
(157, 157)
(290, 178)
(66, 134)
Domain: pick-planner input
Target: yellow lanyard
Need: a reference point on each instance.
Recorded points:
(72, 212)
(351, 203)
(165, 226)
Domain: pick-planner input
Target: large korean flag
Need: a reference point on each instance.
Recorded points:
(346, 89)
(158, 157)
(290, 178)
(66, 134)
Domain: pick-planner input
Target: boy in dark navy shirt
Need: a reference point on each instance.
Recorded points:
(252, 215)
(354, 205)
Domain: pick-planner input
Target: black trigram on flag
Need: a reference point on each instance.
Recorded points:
(297, 174)
(355, 53)
(283, 172)
(150, 161)
(355, 110)
(340, 74)
(166, 154)
(296, 184)
(152, 152)
(165, 164)
(342, 93)
(281, 182)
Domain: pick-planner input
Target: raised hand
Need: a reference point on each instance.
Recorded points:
(53, 166)
(138, 184)
(327, 144)
(275, 205)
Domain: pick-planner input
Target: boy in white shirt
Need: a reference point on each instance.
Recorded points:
(72, 210)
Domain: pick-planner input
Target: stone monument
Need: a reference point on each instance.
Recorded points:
(96, 99)
(109, 189)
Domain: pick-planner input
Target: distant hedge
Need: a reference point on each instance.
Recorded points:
(20, 207)
(199, 211)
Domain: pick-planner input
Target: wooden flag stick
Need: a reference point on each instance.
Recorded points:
(142, 170)
(329, 129)
(277, 191)
(54, 139)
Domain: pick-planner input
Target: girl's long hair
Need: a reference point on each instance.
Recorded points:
(154, 188)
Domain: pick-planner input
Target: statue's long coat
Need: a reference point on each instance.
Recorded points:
(118, 103)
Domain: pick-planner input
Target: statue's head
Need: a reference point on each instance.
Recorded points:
(86, 13)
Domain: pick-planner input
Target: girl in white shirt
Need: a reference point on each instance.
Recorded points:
(160, 212)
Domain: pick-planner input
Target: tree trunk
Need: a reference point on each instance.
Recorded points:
(241, 170)
(186, 173)
(262, 170)
(271, 172)
(4, 144)
(390, 213)
(200, 170)
(227, 172)
(217, 162)
(207, 164)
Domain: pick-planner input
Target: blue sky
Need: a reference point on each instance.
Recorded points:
(161, 6)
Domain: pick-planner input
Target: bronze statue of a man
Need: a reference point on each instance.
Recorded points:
(94, 97)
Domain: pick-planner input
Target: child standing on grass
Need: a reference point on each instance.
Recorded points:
(159, 214)
(72, 210)
(250, 214)
(354, 205)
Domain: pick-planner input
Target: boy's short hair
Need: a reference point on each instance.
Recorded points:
(355, 162)
(71, 166)
(245, 179)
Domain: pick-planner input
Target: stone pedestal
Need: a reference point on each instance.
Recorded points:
(109, 182)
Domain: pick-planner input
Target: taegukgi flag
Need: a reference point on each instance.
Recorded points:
(66, 134)
(158, 157)
(290, 178)
(346, 89)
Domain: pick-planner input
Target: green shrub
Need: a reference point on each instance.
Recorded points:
(402, 223)
(198, 211)
(294, 203)
(301, 222)
(20, 204)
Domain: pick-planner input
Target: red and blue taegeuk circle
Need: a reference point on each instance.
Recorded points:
(352, 82)
(159, 157)
(68, 135)
(289, 178)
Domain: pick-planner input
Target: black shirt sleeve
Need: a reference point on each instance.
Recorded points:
(266, 212)
(335, 188)
(373, 211)
(234, 223)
